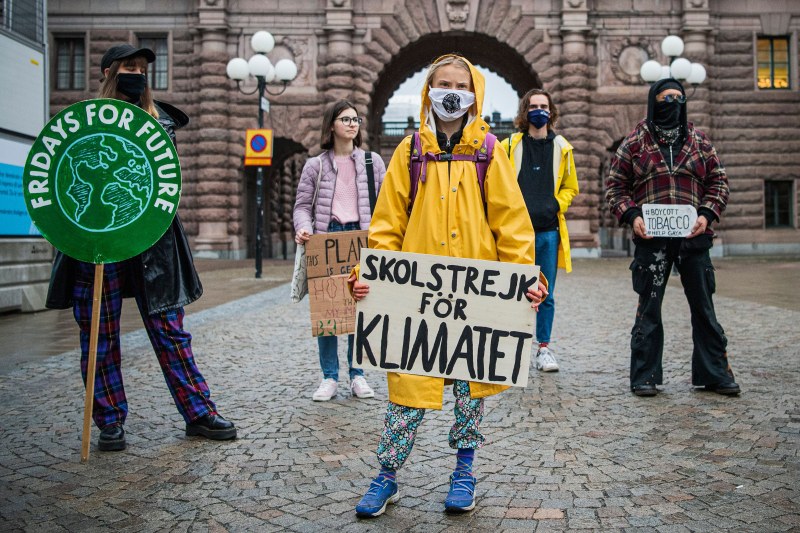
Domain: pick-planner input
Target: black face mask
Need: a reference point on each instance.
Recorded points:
(667, 114)
(131, 85)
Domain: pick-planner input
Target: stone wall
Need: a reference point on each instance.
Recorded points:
(586, 53)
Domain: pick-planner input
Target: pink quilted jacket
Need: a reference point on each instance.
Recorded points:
(327, 182)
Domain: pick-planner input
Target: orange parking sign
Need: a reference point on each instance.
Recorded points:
(258, 148)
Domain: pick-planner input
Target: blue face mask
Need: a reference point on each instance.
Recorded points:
(539, 117)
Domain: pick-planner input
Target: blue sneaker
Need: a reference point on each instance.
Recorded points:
(461, 497)
(382, 491)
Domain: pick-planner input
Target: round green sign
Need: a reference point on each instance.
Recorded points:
(102, 181)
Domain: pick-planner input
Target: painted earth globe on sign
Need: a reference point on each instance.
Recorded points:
(104, 182)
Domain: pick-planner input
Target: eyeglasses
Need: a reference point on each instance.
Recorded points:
(351, 120)
(681, 99)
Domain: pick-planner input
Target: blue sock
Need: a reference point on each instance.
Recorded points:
(464, 459)
(388, 473)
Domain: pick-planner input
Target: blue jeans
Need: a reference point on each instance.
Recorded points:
(329, 346)
(547, 259)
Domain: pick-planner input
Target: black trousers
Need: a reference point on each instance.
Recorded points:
(651, 268)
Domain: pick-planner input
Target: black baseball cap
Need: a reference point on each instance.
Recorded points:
(123, 51)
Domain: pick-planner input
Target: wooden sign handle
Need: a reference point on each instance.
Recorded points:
(97, 297)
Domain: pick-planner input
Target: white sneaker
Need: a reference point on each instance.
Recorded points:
(546, 360)
(325, 391)
(360, 388)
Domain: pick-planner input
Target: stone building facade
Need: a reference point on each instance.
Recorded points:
(586, 52)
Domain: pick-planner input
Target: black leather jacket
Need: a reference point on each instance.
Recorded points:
(164, 276)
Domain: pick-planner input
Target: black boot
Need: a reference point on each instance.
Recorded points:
(211, 426)
(728, 389)
(112, 438)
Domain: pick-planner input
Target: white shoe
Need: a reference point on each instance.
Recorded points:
(360, 388)
(546, 360)
(325, 391)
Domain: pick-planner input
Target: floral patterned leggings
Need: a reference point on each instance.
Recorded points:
(401, 423)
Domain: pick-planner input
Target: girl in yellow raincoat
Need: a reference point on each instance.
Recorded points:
(449, 217)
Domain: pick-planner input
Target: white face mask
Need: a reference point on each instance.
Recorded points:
(450, 104)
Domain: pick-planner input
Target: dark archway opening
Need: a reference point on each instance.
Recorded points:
(280, 184)
(614, 239)
(480, 49)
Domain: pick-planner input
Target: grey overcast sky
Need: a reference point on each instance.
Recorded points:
(405, 101)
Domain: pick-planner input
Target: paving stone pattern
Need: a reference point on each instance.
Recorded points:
(573, 451)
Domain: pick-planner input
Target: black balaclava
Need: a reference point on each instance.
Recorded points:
(661, 115)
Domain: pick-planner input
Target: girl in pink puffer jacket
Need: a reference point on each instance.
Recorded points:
(333, 195)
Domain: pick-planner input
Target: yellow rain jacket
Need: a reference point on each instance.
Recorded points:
(566, 185)
(449, 219)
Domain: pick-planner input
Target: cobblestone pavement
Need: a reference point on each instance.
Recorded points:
(573, 451)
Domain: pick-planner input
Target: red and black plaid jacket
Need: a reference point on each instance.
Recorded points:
(639, 175)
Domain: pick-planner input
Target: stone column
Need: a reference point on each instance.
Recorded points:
(574, 94)
(336, 69)
(696, 26)
(217, 180)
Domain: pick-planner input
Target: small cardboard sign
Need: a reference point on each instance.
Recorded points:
(331, 254)
(446, 317)
(329, 259)
(333, 310)
(662, 220)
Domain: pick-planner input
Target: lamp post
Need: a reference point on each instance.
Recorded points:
(679, 68)
(260, 67)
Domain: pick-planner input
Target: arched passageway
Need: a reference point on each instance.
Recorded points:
(480, 49)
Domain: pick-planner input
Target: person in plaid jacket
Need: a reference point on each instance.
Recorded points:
(665, 160)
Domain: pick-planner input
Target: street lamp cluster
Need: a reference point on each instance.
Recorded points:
(679, 68)
(260, 67)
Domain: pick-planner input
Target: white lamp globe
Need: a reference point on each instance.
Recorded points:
(664, 73)
(681, 68)
(259, 65)
(698, 74)
(650, 71)
(285, 70)
(262, 42)
(270, 75)
(672, 46)
(237, 69)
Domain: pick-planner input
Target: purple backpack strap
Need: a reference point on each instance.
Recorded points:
(482, 159)
(415, 163)
(416, 171)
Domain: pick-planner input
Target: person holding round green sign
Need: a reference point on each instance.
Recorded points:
(96, 169)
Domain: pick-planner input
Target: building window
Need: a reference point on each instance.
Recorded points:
(773, 62)
(70, 64)
(778, 203)
(24, 18)
(158, 72)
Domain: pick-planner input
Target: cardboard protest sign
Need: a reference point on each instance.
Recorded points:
(447, 317)
(662, 220)
(329, 259)
(102, 181)
(333, 310)
(331, 254)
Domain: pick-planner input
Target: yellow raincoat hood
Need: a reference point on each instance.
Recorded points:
(476, 129)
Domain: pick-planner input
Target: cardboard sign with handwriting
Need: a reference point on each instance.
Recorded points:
(329, 258)
(333, 310)
(331, 254)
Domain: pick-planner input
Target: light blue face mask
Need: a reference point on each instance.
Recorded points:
(539, 117)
